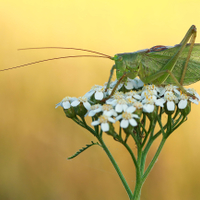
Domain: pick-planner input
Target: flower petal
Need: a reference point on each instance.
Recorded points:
(124, 123)
(182, 104)
(98, 95)
(66, 104)
(133, 122)
(148, 108)
(87, 105)
(170, 105)
(75, 103)
(130, 109)
(94, 123)
(110, 119)
(105, 127)
(118, 108)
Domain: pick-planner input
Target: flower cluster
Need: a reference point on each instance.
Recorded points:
(127, 104)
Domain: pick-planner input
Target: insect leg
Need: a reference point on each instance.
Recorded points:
(172, 62)
(110, 77)
(192, 40)
(117, 84)
(169, 73)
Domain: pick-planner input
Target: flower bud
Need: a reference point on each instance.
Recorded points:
(80, 110)
(186, 110)
(70, 112)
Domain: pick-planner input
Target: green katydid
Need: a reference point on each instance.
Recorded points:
(179, 65)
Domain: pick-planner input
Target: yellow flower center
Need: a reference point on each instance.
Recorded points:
(103, 119)
(126, 115)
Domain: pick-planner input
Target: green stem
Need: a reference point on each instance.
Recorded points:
(154, 159)
(125, 184)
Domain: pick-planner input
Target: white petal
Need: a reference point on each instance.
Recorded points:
(148, 108)
(132, 122)
(91, 113)
(59, 104)
(105, 127)
(191, 99)
(110, 101)
(98, 95)
(87, 105)
(108, 113)
(139, 83)
(66, 105)
(124, 106)
(170, 105)
(137, 96)
(75, 103)
(89, 94)
(94, 123)
(130, 109)
(135, 116)
(182, 104)
(118, 108)
(129, 85)
(160, 102)
(118, 117)
(110, 119)
(124, 123)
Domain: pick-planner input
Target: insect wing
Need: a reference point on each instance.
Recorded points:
(153, 62)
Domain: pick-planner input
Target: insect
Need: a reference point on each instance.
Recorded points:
(178, 65)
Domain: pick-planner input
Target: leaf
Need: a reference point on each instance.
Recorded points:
(83, 149)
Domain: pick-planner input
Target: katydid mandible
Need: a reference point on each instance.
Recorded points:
(178, 65)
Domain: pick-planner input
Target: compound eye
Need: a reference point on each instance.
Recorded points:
(120, 58)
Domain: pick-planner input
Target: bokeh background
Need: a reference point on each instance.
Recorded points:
(36, 138)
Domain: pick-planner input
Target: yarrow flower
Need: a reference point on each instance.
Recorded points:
(98, 92)
(103, 120)
(127, 106)
(83, 100)
(128, 117)
(66, 102)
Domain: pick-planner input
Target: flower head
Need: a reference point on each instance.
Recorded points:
(104, 121)
(127, 117)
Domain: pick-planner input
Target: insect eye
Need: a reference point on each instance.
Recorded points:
(120, 58)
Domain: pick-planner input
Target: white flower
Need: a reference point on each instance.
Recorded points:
(98, 92)
(66, 102)
(169, 88)
(171, 99)
(130, 100)
(149, 104)
(149, 90)
(120, 105)
(128, 118)
(83, 100)
(133, 94)
(93, 110)
(183, 101)
(104, 121)
(138, 105)
(138, 84)
(194, 93)
(108, 110)
(113, 99)
(130, 84)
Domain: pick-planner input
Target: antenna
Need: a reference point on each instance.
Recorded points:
(99, 54)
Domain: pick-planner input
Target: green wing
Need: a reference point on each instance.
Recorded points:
(153, 62)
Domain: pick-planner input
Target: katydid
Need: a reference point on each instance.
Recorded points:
(178, 65)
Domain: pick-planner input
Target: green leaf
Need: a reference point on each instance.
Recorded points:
(83, 149)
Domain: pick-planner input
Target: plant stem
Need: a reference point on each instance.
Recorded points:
(125, 184)
(154, 159)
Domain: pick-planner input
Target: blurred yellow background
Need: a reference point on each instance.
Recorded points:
(36, 138)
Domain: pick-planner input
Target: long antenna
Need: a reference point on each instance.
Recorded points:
(39, 61)
(78, 49)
